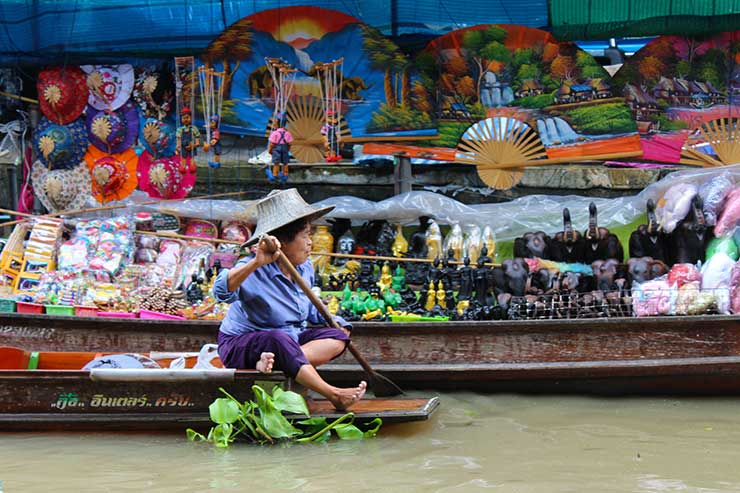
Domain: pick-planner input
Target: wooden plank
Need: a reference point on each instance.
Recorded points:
(412, 343)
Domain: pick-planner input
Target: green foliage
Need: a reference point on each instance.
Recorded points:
(496, 33)
(528, 71)
(551, 84)
(583, 59)
(426, 64)
(523, 56)
(474, 40)
(683, 68)
(535, 102)
(381, 51)
(496, 51)
(667, 125)
(594, 72)
(478, 111)
(262, 421)
(402, 117)
(601, 119)
(449, 133)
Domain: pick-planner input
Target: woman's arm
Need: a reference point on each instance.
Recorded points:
(228, 281)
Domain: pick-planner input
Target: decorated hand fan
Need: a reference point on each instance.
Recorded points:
(158, 137)
(110, 85)
(61, 189)
(113, 131)
(60, 146)
(161, 178)
(154, 91)
(113, 175)
(62, 93)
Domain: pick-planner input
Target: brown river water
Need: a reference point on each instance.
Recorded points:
(502, 443)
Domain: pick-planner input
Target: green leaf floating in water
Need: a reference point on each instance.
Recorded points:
(262, 421)
(224, 410)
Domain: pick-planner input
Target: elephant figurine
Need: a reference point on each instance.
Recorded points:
(689, 239)
(567, 245)
(532, 245)
(644, 269)
(600, 243)
(516, 274)
(648, 240)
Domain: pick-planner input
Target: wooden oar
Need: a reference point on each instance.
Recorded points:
(382, 386)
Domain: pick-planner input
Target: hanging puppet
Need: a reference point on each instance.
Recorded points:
(213, 143)
(211, 94)
(279, 148)
(331, 77)
(332, 138)
(188, 141)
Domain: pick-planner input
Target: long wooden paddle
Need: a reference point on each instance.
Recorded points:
(382, 386)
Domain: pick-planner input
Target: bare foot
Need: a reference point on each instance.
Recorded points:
(345, 398)
(265, 363)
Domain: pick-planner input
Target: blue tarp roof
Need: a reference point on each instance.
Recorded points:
(32, 27)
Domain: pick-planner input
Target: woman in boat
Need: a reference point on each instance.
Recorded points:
(267, 325)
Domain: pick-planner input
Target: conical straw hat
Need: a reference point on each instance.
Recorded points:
(281, 207)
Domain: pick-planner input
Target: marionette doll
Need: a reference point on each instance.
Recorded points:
(215, 142)
(188, 141)
(280, 140)
(332, 138)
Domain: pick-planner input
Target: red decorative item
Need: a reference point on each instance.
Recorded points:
(62, 93)
(113, 175)
(161, 178)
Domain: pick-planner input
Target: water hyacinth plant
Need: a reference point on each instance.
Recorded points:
(262, 421)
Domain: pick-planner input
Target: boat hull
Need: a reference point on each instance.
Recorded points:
(32, 400)
(653, 355)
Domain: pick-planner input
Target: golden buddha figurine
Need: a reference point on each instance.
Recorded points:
(454, 241)
(462, 305)
(431, 297)
(323, 241)
(400, 245)
(472, 244)
(441, 295)
(489, 241)
(433, 241)
(333, 305)
(386, 278)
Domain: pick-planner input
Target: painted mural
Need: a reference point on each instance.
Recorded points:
(675, 84)
(509, 71)
(375, 90)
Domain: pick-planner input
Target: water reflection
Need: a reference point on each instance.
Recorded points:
(504, 442)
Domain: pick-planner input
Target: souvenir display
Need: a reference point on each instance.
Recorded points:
(187, 142)
(113, 131)
(323, 242)
(201, 229)
(61, 189)
(110, 86)
(62, 93)
(154, 91)
(113, 175)
(60, 146)
(162, 179)
(158, 137)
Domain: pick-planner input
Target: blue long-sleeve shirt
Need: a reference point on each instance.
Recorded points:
(268, 300)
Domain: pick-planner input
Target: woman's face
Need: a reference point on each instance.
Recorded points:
(299, 248)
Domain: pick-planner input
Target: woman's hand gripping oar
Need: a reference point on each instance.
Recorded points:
(382, 386)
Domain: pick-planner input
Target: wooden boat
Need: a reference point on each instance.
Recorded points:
(58, 395)
(652, 355)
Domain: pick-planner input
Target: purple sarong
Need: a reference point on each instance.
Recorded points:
(244, 351)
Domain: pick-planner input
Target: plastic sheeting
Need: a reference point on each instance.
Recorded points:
(512, 219)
